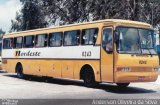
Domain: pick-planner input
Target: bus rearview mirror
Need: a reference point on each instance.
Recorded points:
(109, 51)
(116, 36)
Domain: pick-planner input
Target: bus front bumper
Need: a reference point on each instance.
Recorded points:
(121, 77)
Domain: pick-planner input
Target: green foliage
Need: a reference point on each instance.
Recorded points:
(43, 13)
(30, 17)
(1, 33)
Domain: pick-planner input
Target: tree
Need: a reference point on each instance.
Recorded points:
(66, 11)
(17, 24)
(1, 33)
(152, 12)
(42, 13)
(30, 17)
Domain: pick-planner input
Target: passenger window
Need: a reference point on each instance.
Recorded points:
(55, 39)
(107, 39)
(89, 36)
(28, 41)
(18, 42)
(71, 38)
(41, 40)
(7, 43)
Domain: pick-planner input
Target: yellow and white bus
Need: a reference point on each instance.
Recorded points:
(111, 50)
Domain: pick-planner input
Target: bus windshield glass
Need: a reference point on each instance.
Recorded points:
(135, 40)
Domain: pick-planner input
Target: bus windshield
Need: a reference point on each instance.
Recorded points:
(135, 40)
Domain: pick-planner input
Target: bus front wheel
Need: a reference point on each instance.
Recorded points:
(19, 71)
(122, 85)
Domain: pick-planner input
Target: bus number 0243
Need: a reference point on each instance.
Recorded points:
(86, 54)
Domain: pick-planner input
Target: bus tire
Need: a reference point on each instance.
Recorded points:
(122, 85)
(89, 79)
(19, 71)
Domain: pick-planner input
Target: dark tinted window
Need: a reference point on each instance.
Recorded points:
(28, 41)
(55, 39)
(89, 36)
(41, 40)
(107, 39)
(71, 38)
(18, 42)
(7, 43)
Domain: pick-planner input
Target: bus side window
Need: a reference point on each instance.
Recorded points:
(28, 41)
(89, 36)
(41, 40)
(18, 42)
(55, 39)
(107, 39)
(8, 43)
(71, 38)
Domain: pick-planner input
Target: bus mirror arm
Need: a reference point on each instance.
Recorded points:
(116, 37)
(109, 51)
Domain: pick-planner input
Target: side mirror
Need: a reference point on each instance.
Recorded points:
(116, 36)
(94, 39)
(109, 47)
(109, 51)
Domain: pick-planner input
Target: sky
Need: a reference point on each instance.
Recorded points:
(8, 10)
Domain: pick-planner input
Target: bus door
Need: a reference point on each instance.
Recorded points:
(107, 55)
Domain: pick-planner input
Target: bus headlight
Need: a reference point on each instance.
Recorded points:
(156, 69)
(124, 69)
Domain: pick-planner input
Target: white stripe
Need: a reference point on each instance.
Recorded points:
(68, 52)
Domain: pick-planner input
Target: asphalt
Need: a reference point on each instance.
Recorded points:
(36, 91)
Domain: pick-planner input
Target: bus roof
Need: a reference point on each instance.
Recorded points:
(84, 23)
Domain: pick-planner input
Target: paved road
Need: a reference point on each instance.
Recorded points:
(13, 88)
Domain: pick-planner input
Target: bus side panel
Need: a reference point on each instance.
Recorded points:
(67, 69)
(8, 65)
(52, 68)
(30, 67)
(27, 68)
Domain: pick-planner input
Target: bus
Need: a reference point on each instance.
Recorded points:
(111, 50)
